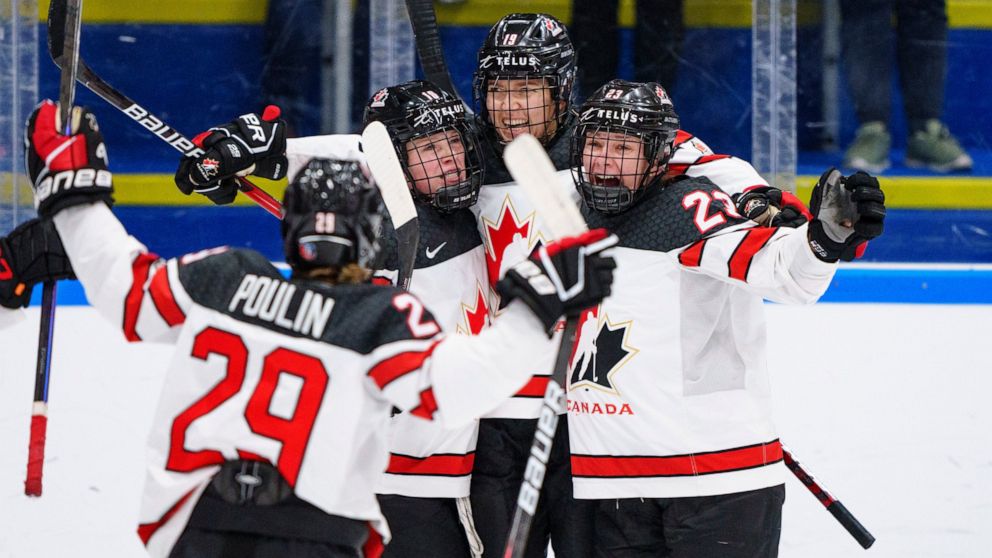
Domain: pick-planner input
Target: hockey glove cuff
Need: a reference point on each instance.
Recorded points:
(32, 253)
(66, 170)
(563, 278)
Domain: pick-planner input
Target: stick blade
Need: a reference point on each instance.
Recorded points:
(531, 167)
(389, 176)
(56, 29)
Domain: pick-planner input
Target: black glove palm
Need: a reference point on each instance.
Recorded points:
(563, 278)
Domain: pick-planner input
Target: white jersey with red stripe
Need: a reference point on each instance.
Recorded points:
(426, 460)
(512, 228)
(668, 387)
(693, 157)
(301, 374)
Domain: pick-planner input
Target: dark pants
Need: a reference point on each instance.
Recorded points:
(921, 50)
(423, 528)
(264, 519)
(657, 40)
(742, 525)
(500, 458)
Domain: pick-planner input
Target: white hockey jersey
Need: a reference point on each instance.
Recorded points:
(426, 460)
(668, 387)
(303, 375)
(512, 229)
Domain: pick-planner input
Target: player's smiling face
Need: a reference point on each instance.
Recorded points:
(521, 106)
(614, 159)
(436, 161)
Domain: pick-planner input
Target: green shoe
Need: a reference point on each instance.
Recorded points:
(870, 150)
(936, 149)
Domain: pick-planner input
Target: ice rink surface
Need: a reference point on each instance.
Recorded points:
(887, 405)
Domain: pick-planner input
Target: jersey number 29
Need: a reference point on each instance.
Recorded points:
(293, 433)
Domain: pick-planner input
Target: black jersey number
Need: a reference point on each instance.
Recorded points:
(702, 218)
(293, 432)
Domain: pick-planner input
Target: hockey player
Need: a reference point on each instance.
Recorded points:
(670, 422)
(424, 493)
(269, 433)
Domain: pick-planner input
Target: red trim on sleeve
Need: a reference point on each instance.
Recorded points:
(535, 387)
(164, 300)
(373, 547)
(724, 461)
(681, 137)
(439, 464)
(693, 255)
(132, 303)
(397, 366)
(754, 240)
(427, 407)
(709, 159)
(147, 530)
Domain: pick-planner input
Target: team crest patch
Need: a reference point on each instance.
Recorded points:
(209, 167)
(663, 95)
(379, 99)
(308, 251)
(552, 27)
(601, 349)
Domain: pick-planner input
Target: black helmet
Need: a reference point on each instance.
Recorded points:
(332, 216)
(522, 46)
(631, 111)
(417, 109)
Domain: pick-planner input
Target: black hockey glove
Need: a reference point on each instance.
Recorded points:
(847, 213)
(563, 278)
(771, 207)
(30, 254)
(249, 144)
(66, 170)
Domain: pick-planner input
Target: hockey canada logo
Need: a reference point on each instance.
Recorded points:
(379, 99)
(601, 349)
(508, 239)
(476, 316)
(209, 167)
(553, 27)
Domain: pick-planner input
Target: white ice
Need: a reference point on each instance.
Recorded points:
(887, 405)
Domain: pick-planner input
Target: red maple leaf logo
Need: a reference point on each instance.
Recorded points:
(500, 236)
(477, 317)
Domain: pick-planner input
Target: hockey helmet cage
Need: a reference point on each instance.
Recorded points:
(332, 216)
(641, 111)
(418, 109)
(527, 46)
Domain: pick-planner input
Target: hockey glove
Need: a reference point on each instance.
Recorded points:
(563, 278)
(771, 207)
(30, 254)
(847, 213)
(66, 170)
(250, 144)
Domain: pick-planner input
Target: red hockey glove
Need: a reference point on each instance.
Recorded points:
(66, 170)
(847, 212)
(250, 144)
(30, 254)
(563, 278)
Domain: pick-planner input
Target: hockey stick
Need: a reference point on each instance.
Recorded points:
(388, 174)
(67, 16)
(425, 34)
(838, 510)
(530, 167)
(156, 125)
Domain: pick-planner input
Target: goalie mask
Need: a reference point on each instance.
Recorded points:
(332, 216)
(622, 144)
(523, 81)
(435, 142)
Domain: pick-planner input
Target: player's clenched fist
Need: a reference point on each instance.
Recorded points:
(563, 278)
(66, 170)
(847, 213)
(30, 254)
(249, 144)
